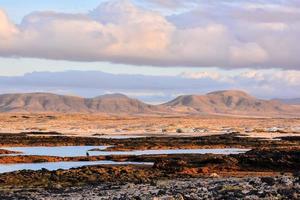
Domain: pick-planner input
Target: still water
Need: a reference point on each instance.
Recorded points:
(74, 151)
(61, 165)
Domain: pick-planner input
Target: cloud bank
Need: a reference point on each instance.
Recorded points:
(227, 34)
(261, 83)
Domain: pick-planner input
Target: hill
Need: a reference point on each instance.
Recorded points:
(230, 102)
(47, 102)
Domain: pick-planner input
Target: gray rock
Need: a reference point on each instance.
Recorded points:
(268, 180)
(287, 181)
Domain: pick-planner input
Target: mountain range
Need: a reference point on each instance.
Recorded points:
(47, 102)
(229, 102)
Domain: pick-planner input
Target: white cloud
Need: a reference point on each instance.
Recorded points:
(248, 53)
(290, 78)
(7, 29)
(200, 75)
(275, 26)
(172, 4)
(255, 75)
(263, 83)
(213, 75)
(217, 33)
(287, 78)
(8, 32)
(128, 35)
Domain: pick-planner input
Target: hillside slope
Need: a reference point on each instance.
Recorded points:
(46, 102)
(231, 102)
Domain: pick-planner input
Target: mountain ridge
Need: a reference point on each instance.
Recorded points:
(49, 102)
(233, 102)
(226, 102)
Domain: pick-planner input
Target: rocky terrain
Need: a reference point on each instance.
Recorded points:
(266, 156)
(3, 152)
(254, 188)
(230, 140)
(268, 171)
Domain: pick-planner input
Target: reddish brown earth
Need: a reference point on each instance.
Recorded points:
(4, 151)
(233, 140)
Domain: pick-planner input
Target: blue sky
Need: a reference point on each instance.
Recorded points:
(17, 9)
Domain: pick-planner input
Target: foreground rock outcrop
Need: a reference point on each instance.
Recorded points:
(4, 152)
(270, 161)
(254, 188)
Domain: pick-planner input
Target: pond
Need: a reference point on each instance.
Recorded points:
(60, 151)
(61, 165)
(75, 151)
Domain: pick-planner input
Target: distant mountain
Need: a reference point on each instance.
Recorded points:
(119, 103)
(295, 101)
(230, 102)
(47, 102)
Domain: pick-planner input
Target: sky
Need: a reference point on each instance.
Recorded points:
(252, 44)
